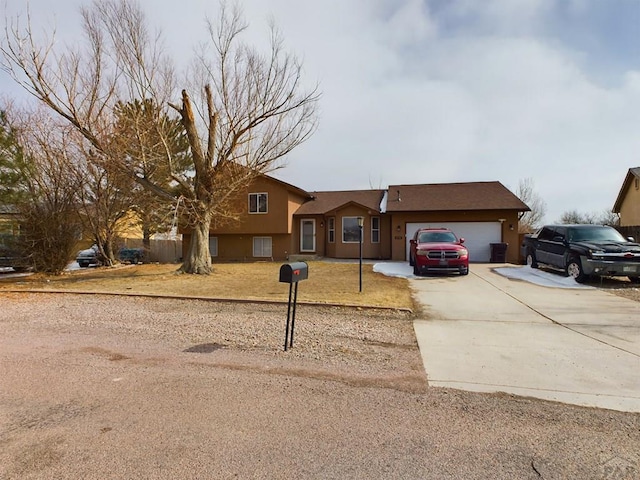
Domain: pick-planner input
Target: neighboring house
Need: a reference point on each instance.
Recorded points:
(9, 225)
(280, 221)
(628, 202)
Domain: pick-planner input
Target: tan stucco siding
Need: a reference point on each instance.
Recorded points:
(630, 208)
(235, 238)
(385, 237)
(239, 248)
(129, 226)
(294, 203)
(277, 219)
(373, 250)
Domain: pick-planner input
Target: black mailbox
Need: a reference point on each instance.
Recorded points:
(294, 272)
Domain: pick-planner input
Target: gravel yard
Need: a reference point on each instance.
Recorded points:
(101, 387)
(626, 290)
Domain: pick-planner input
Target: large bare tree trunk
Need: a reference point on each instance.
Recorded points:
(146, 242)
(198, 259)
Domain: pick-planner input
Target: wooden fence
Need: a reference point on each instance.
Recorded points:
(630, 231)
(162, 251)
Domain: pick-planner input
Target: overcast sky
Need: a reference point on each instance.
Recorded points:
(432, 91)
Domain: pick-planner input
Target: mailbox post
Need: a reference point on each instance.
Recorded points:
(360, 225)
(292, 273)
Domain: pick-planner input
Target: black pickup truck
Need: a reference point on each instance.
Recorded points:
(583, 250)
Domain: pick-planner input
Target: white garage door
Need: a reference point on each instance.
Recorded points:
(477, 236)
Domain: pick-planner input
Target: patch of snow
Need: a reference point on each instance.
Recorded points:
(72, 266)
(394, 269)
(525, 273)
(399, 269)
(539, 277)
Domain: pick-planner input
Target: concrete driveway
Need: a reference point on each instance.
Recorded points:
(487, 333)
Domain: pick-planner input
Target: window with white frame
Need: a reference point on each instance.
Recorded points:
(331, 229)
(213, 246)
(375, 229)
(262, 247)
(258, 203)
(350, 230)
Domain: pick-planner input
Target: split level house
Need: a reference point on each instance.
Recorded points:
(282, 222)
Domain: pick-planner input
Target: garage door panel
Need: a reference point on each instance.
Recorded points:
(477, 236)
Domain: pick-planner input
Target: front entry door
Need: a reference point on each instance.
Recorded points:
(307, 235)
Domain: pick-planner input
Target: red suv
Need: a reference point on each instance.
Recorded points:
(438, 250)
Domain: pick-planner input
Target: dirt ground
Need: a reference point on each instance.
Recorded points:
(100, 387)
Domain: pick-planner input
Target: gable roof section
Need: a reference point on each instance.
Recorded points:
(453, 197)
(289, 187)
(632, 174)
(324, 202)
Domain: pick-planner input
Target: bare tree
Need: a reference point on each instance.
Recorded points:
(530, 220)
(575, 217)
(105, 201)
(252, 112)
(606, 217)
(609, 217)
(44, 194)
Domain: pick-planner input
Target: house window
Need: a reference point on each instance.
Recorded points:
(637, 183)
(375, 229)
(262, 247)
(257, 203)
(213, 246)
(331, 229)
(350, 230)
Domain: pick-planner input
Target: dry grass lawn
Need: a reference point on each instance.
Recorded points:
(328, 282)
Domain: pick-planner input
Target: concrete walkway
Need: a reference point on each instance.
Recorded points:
(487, 333)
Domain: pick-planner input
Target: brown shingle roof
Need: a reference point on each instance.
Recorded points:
(453, 196)
(324, 202)
(289, 187)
